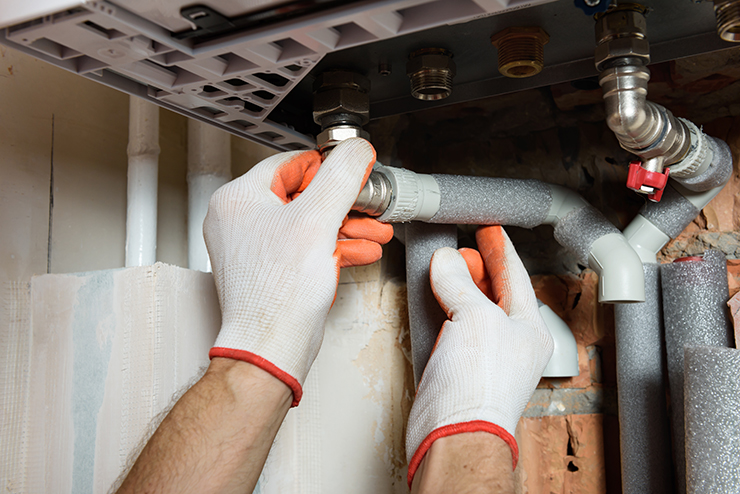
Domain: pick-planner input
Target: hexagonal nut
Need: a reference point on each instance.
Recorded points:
(334, 79)
(334, 135)
(622, 47)
(619, 23)
(430, 61)
(518, 32)
(341, 100)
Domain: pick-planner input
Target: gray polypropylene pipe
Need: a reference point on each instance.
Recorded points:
(695, 294)
(454, 199)
(425, 315)
(645, 444)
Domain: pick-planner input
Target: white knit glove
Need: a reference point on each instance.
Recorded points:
(488, 358)
(277, 237)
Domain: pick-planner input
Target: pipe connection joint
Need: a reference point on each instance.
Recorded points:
(397, 195)
(341, 105)
(621, 277)
(621, 33)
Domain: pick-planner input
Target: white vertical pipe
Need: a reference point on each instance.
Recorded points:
(209, 167)
(143, 165)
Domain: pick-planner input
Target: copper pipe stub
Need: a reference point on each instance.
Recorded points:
(431, 71)
(521, 51)
(728, 19)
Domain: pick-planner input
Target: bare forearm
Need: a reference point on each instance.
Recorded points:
(469, 463)
(216, 438)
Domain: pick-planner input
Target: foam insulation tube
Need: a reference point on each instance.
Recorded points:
(645, 444)
(143, 167)
(712, 412)
(644, 438)
(658, 222)
(425, 314)
(209, 167)
(695, 294)
(454, 199)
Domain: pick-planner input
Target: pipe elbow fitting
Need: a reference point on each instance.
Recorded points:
(630, 122)
(621, 277)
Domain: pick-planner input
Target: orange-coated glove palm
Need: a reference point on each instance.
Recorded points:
(489, 355)
(277, 237)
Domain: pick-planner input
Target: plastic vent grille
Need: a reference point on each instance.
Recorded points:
(233, 82)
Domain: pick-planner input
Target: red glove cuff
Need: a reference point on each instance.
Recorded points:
(263, 364)
(451, 430)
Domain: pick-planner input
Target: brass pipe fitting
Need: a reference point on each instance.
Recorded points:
(521, 51)
(728, 19)
(431, 71)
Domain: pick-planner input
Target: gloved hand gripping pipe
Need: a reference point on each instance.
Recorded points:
(452, 199)
(666, 144)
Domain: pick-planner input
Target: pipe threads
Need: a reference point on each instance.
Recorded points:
(521, 51)
(520, 58)
(431, 71)
(728, 19)
(430, 85)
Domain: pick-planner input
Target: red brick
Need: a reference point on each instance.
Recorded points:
(561, 454)
(733, 276)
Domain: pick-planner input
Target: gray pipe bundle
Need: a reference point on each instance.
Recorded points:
(694, 296)
(643, 419)
(712, 411)
(425, 314)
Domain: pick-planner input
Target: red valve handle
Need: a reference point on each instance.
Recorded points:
(638, 176)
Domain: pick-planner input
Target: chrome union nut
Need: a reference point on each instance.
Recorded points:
(333, 79)
(431, 62)
(341, 100)
(334, 135)
(622, 21)
(621, 33)
(622, 47)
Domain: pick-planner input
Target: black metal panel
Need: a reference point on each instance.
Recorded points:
(676, 29)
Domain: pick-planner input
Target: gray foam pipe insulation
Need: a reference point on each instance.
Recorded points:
(452, 200)
(643, 418)
(695, 293)
(421, 241)
(644, 438)
(712, 413)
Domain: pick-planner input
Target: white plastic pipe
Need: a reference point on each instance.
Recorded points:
(647, 239)
(143, 167)
(564, 360)
(209, 167)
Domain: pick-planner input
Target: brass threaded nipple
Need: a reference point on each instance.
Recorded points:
(521, 51)
(728, 19)
(431, 71)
